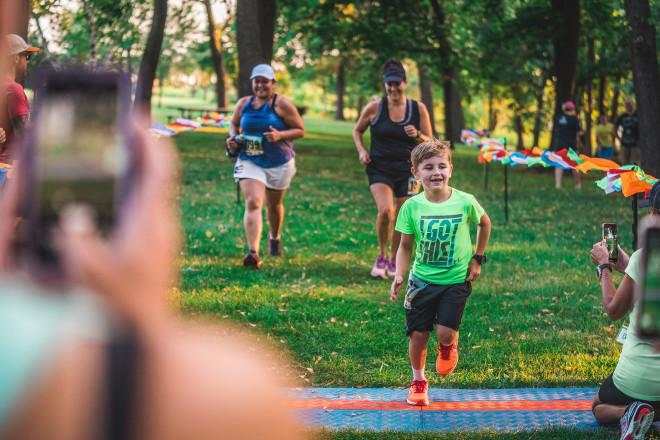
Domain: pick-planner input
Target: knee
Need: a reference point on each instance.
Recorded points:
(446, 336)
(418, 337)
(385, 212)
(597, 414)
(253, 204)
(274, 206)
(595, 410)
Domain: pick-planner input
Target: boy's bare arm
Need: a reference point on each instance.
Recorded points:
(402, 262)
(483, 234)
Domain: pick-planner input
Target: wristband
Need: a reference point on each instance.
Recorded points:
(601, 268)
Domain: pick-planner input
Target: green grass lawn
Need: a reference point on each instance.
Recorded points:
(534, 319)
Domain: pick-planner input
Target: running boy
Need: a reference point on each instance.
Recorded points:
(437, 222)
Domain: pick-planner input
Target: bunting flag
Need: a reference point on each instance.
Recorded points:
(214, 122)
(627, 179)
(473, 137)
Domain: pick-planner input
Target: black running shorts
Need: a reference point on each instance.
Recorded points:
(399, 185)
(610, 394)
(434, 304)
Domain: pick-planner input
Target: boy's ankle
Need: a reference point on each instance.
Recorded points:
(419, 374)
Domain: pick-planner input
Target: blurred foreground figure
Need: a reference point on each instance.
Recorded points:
(111, 364)
(101, 357)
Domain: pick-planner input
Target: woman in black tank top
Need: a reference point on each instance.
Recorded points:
(397, 125)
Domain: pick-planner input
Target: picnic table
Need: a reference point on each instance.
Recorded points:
(193, 112)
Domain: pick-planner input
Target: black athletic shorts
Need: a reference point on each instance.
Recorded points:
(609, 393)
(434, 304)
(399, 185)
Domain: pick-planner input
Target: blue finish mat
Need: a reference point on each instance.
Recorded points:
(380, 409)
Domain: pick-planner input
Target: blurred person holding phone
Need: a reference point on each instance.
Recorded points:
(101, 356)
(631, 394)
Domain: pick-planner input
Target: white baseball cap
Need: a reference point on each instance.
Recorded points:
(264, 70)
(16, 44)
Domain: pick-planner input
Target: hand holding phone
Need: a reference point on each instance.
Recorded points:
(610, 237)
(77, 154)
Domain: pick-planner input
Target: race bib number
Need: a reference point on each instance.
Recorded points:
(623, 335)
(414, 186)
(253, 145)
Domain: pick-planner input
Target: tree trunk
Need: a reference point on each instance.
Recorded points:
(538, 118)
(600, 100)
(520, 130)
(339, 90)
(255, 25)
(615, 99)
(149, 62)
(91, 35)
(492, 114)
(566, 51)
(454, 120)
(646, 80)
(588, 149)
(44, 46)
(216, 57)
(426, 89)
(360, 106)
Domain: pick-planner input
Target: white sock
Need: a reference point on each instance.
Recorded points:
(419, 374)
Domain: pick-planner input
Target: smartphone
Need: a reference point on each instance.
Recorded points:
(610, 235)
(76, 154)
(649, 302)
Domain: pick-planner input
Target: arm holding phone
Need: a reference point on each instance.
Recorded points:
(616, 301)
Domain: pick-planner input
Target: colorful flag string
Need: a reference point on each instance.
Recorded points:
(627, 179)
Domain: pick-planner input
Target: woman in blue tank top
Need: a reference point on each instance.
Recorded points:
(266, 125)
(397, 124)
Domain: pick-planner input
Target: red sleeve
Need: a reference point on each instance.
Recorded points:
(17, 102)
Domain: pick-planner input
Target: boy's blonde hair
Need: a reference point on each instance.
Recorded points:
(428, 149)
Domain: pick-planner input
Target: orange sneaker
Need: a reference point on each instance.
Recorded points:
(419, 393)
(447, 358)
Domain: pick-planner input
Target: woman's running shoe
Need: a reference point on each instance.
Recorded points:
(636, 421)
(274, 247)
(380, 267)
(251, 259)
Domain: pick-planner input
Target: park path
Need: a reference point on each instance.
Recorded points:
(380, 409)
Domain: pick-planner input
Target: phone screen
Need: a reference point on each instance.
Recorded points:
(649, 315)
(610, 235)
(79, 156)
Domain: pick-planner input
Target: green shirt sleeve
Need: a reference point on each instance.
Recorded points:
(404, 223)
(476, 211)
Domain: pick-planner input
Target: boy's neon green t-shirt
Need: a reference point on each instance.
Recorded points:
(442, 235)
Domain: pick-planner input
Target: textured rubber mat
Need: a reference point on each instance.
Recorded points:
(381, 409)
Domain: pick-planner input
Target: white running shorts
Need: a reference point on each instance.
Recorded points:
(276, 178)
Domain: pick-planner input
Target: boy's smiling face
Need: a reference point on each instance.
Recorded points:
(434, 173)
